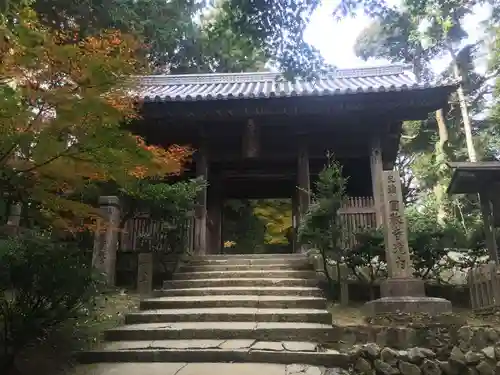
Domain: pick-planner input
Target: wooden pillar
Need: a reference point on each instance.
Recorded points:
(489, 227)
(377, 171)
(251, 140)
(214, 219)
(295, 222)
(200, 235)
(304, 188)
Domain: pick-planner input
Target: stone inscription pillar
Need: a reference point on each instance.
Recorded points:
(401, 292)
(106, 238)
(397, 251)
(200, 235)
(304, 187)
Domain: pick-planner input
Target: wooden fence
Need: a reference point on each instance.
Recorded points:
(484, 287)
(357, 214)
(142, 231)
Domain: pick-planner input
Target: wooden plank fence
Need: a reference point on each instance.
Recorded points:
(357, 214)
(484, 287)
(141, 227)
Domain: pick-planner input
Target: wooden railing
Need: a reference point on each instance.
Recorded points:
(357, 214)
(484, 287)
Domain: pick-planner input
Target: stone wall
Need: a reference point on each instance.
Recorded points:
(441, 338)
(370, 359)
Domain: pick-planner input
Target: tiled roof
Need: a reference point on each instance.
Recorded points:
(220, 86)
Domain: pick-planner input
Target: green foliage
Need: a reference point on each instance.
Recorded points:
(277, 216)
(429, 243)
(367, 259)
(42, 284)
(434, 248)
(161, 200)
(244, 230)
(320, 228)
(175, 40)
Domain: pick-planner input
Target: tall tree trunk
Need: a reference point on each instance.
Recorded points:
(462, 100)
(441, 159)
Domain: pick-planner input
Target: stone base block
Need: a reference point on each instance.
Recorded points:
(408, 305)
(402, 288)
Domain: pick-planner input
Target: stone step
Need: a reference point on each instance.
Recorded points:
(247, 261)
(262, 331)
(230, 315)
(247, 256)
(237, 291)
(246, 267)
(240, 282)
(186, 302)
(236, 351)
(283, 274)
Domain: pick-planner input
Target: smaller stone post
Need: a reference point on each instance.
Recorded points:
(145, 273)
(14, 219)
(401, 292)
(106, 238)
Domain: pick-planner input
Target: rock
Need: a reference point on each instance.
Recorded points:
(355, 351)
(489, 352)
(485, 368)
(470, 371)
(408, 368)
(385, 368)
(430, 368)
(497, 353)
(480, 339)
(363, 366)
(457, 356)
(389, 356)
(473, 358)
(491, 334)
(428, 353)
(371, 349)
(448, 368)
(403, 355)
(465, 333)
(417, 355)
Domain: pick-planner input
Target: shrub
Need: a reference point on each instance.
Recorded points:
(320, 228)
(367, 259)
(42, 284)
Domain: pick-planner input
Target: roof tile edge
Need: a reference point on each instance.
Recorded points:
(218, 78)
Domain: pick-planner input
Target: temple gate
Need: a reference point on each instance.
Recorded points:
(258, 135)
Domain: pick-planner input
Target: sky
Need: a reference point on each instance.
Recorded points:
(336, 39)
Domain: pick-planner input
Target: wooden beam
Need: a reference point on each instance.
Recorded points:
(377, 171)
(489, 227)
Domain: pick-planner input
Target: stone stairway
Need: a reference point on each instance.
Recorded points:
(229, 308)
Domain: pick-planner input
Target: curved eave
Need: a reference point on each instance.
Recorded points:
(446, 89)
